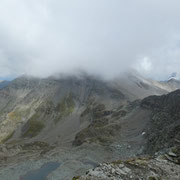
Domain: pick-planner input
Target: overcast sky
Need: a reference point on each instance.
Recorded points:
(106, 37)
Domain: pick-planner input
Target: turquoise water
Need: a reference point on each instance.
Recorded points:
(42, 173)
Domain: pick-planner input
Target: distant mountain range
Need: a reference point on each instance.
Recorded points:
(80, 112)
(28, 100)
(4, 84)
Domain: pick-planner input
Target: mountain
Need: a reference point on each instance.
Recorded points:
(67, 103)
(164, 127)
(51, 104)
(83, 120)
(161, 140)
(3, 84)
(135, 86)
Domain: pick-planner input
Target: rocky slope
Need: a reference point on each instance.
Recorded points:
(155, 168)
(135, 86)
(27, 99)
(161, 154)
(78, 121)
(32, 107)
(164, 127)
(70, 102)
(4, 84)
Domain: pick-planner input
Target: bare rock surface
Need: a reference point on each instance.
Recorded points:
(140, 168)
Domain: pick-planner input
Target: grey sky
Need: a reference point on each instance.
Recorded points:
(43, 37)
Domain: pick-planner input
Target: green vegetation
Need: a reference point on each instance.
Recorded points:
(154, 178)
(33, 127)
(17, 114)
(76, 178)
(100, 130)
(65, 108)
(14, 115)
(9, 136)
(117, 162)
(94, 133)
(37, 145)
(97, 111)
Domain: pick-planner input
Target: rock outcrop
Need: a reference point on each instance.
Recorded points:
(163, 130)
(151, 168)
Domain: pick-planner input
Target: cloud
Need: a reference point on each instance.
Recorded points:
(144, 65)
(44, 37)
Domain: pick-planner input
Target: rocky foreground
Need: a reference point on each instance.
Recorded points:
(161, 167)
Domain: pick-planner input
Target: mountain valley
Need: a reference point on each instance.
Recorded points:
(82, 121)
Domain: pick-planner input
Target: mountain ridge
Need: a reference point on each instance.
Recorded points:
(82, 117)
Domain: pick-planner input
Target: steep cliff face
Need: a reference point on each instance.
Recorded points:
(164, 127)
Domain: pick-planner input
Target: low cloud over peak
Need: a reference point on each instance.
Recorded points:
(104, 37)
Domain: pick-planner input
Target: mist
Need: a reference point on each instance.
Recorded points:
(46, 37)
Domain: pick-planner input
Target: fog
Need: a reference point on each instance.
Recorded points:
(104, 37)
